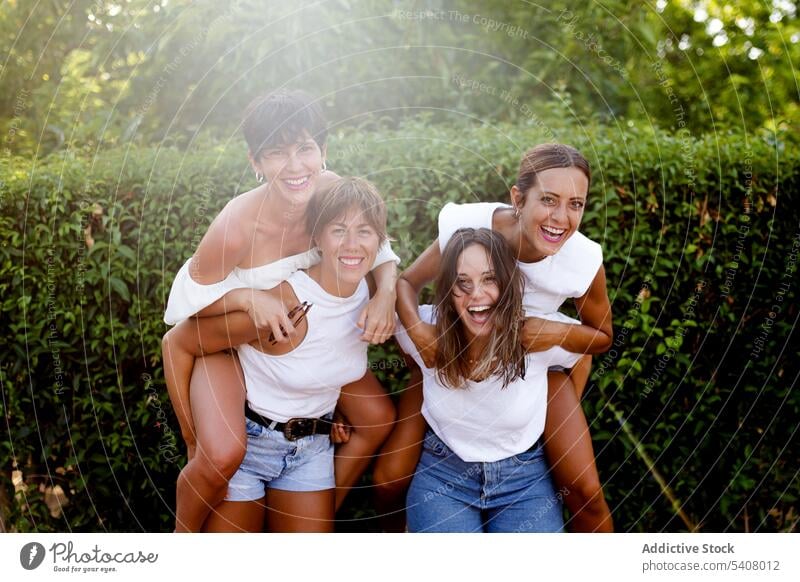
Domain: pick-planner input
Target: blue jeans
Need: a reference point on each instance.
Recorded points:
(511, 495)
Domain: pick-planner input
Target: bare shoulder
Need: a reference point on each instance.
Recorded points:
(231, 224)
(326, 179)
(240, 208)
(226, 241)
(504, 222)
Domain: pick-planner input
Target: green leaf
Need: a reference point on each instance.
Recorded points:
(120, 287)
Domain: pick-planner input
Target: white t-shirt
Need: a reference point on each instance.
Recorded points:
(549, 282)
(187, 297)
(305, 383)
(482, 421)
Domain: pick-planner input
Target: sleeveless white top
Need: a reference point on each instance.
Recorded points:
(187, 297)
(482, 421)
(549, 282)
(305, 383)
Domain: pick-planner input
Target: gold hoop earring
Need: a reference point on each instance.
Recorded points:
(516, 213)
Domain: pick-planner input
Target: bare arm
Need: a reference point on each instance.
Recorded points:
(411, 281)
(208, 335)
(377, 319)
(223, 247)
(235, 300)
(593, 336)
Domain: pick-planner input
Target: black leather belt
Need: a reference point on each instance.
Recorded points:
(294, 428)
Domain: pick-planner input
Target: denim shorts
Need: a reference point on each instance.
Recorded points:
(275, 462)
(511, 495)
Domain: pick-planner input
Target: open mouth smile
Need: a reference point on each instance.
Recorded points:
(297, 183)
(553, 235)
(351, 262)
(480, 314)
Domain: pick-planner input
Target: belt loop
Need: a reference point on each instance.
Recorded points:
(272, 425)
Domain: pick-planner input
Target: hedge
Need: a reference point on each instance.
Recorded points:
(693, 411)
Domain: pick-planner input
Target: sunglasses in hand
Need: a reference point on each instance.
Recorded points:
(299, 312)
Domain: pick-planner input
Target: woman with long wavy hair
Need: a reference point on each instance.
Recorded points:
(557, 263)
(482, 467)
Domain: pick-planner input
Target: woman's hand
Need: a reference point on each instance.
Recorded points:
(340, 429)
(267, 312)
(377, 319)
(540, 334)
(424, 337)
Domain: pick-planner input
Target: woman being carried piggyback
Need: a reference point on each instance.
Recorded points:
(257, 241)
(556, 263)
(287, 474)
(482, 466)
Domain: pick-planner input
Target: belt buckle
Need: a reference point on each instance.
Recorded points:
(299, 427)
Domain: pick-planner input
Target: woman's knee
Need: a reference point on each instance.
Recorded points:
(587, 493)
(386, 415)
(220, 460)
(167, 342)
(391, 477)
(378, 416)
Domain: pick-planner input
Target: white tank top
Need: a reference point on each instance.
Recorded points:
(305, 383)
(482, 421)
(548, 283)
(187, 297)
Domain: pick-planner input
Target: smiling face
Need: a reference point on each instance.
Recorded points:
(349, 244)
(551, 210)
(291, 170)
(475, 292)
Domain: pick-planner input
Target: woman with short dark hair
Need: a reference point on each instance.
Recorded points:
(287, 475)
(257, 241)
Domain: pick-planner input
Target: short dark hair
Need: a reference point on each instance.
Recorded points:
(328, 204)
(281, 117)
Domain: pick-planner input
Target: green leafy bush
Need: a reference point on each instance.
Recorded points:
(693, 410)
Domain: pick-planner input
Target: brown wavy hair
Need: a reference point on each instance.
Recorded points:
(504, 355)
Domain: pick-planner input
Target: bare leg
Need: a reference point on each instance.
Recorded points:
(237, 517)
(568, 446)
(217, 400)
(579, 374)
(399, 456)
(178, 366)
(371, 414)
(294, 511)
